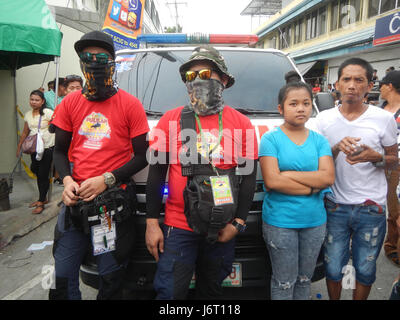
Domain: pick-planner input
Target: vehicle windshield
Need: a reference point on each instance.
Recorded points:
(153, 77)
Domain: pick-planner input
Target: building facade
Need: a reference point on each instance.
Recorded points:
(320, 34)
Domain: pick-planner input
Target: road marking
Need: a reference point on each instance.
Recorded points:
(24, 289)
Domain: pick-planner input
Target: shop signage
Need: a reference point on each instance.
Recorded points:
(387, 29)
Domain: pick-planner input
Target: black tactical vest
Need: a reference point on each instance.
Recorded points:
(201, 213)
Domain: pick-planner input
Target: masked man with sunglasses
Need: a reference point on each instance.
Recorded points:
(105, 130)
(211, 182)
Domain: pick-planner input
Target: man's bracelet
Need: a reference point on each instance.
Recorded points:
(380, 164)
(312, 191)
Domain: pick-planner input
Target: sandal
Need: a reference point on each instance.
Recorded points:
(37, 203)
(394, 258)
(38, 209)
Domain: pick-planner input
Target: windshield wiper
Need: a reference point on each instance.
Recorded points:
(165, 55)
(153, 113)
(256, 111)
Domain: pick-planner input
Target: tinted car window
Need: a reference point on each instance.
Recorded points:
(154, 78)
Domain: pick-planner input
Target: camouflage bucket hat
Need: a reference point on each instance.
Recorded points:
(207, 53)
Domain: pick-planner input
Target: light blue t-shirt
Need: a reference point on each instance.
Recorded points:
(49, 96)
(294, 211)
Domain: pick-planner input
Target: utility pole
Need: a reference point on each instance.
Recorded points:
(175, 4)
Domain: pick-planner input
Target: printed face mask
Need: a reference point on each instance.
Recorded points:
(205, 96)
(100, 84)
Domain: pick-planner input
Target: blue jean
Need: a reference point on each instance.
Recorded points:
(186, 252)
(69, 251)
(365, 226)
(293, 254)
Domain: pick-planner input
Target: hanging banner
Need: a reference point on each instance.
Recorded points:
(124, 22)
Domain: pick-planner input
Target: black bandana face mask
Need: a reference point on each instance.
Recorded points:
(205, 96)
(100, 84)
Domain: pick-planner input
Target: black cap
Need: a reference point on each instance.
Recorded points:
(95, 39)
(392, 77)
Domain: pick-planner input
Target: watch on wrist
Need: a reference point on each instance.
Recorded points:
(380, 164)
(109, 179)
(240, 227)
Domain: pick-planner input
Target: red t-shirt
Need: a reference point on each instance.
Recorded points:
(51, 121)
(101, 131)
(166, 137)
(316, 89)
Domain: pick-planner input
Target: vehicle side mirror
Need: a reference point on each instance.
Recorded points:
(324, 101)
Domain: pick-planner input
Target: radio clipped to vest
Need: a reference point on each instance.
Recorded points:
(211, 194)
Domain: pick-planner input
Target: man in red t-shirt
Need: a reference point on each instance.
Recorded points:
(101, 126)
(225, 138)
(316, 88)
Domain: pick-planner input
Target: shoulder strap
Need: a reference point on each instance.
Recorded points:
(188, 121)
(40, 121)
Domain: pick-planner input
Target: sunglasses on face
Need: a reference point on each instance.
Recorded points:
(88, 57)
(204, 74)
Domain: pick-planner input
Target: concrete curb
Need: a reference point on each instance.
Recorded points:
(20, 221)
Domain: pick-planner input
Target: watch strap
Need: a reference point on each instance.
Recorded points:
(240, 227)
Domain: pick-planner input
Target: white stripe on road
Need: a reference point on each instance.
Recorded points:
(24, 289)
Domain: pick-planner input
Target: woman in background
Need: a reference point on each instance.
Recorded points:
(39, 113)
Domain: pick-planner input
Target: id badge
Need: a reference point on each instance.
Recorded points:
(103, 237)
(221, 189)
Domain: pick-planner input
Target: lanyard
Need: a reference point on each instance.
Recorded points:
(203, 139)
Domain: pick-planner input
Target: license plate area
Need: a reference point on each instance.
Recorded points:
(233, 280)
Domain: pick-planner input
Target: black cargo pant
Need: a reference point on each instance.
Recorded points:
(42, 170)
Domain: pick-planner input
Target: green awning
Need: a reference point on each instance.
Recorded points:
(28, 34)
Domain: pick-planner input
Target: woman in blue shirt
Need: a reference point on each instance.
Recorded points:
(297, 169)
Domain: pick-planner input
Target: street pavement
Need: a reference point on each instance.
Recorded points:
(19, 220)
(17, 223)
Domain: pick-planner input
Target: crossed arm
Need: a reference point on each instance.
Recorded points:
(297, 182)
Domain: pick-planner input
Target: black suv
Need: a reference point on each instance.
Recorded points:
(152, 76)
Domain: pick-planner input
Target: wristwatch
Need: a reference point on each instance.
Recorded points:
(109, 179)
(380, 164)
(240, 227)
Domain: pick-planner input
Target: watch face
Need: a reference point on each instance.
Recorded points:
(240, 227)
(109, 179)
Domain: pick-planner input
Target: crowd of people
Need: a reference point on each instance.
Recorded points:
(37, 125)
(326, 188)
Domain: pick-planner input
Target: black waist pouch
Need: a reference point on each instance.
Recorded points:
(202, 215)
(121, 202)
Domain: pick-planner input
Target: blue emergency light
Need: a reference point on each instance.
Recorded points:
(183, 38)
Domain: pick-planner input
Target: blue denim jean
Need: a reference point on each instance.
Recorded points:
(69, 251)
(363, 225)
(186, 252)
(293, 254)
